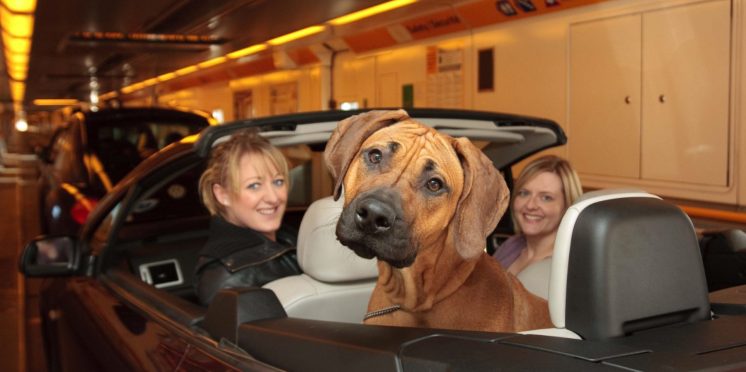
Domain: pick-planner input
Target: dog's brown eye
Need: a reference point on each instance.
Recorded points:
(375, 156)
(434, 184)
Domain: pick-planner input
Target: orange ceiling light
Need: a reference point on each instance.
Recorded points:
(17, 23)
(20, 6)
(246, 51)
(186, 70)
(18, 73)
(167, 76)
(109, 95)
(367, 12)
(149, 82)
(212, 62)
(308, 31)
(17, 90)
(55, 102)
(16, 44)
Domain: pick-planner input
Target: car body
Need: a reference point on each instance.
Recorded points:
(93, 151)
(120, 295)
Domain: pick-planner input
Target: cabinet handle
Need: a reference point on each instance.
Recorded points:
(662, 98)
(627, 100)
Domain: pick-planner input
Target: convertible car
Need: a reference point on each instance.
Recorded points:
(627, 288)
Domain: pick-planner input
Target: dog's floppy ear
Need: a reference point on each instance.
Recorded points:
(483, 201)
(350, 133)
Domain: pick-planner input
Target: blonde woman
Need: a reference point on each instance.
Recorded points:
(245, 188)
(544, 190)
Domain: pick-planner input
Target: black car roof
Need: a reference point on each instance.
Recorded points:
(104, 116)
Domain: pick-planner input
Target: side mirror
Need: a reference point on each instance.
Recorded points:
(50, 256)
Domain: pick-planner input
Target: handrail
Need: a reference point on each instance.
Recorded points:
(714, 214)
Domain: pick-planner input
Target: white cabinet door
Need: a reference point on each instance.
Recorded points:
(686, 61)
(604, 123)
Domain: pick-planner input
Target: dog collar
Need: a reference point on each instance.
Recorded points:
(384, 311)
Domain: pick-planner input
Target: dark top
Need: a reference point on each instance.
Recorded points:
(235, 256)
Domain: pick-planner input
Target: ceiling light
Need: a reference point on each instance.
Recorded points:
(246, 51)
(16, 44)
(186, 70)
(385, 7)
(16, 60)
(131, 88)
(17, 90)
(55, 102)
(18, 73)
(17, 25)
(149, 82)
(109, 95)
(296, 35)
(20, 6)
(166, 76)
(212, 62)
(21, 124)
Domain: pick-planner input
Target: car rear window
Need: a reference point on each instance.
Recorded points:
(122, 144)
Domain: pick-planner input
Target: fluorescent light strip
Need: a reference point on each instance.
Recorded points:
(296, 35)
(20, 6)
(186, 70)
(55, 102)
(380, 8)
(246, 51)
(212, 62)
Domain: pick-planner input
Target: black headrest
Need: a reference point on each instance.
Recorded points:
(634, 264)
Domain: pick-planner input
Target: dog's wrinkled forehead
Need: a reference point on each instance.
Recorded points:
(414, 139)
(408, 151)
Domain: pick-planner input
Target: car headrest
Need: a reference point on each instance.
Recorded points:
(321, 255)
(625, 261)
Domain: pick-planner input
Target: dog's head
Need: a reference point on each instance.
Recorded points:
(409, 188)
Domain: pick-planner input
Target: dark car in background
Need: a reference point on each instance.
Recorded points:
(93, 151)
(120, 295)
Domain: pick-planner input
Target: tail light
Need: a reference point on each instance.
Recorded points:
(82, 208)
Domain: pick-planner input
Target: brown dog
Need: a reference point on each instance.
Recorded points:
(423, 203)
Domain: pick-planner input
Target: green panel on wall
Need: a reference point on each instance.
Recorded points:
(407, 95)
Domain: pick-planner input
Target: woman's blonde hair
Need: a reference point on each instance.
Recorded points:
(571, 187)
(224, 163)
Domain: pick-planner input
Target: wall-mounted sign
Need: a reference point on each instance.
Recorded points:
(434, 24)
(445, 78)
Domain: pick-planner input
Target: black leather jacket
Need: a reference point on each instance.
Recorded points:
(239, 257)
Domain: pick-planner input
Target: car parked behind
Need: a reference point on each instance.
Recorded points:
(93, 151)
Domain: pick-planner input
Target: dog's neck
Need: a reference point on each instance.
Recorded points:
(427, 282)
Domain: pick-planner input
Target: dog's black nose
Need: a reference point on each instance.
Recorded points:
(374, 216)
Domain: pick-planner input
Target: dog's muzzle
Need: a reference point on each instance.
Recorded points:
(373, 225)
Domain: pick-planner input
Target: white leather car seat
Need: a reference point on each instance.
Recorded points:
(624, 261)
(535, 277)
(336, 284)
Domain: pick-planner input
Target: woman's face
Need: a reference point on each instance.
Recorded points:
(261, 198)
(539, 205)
